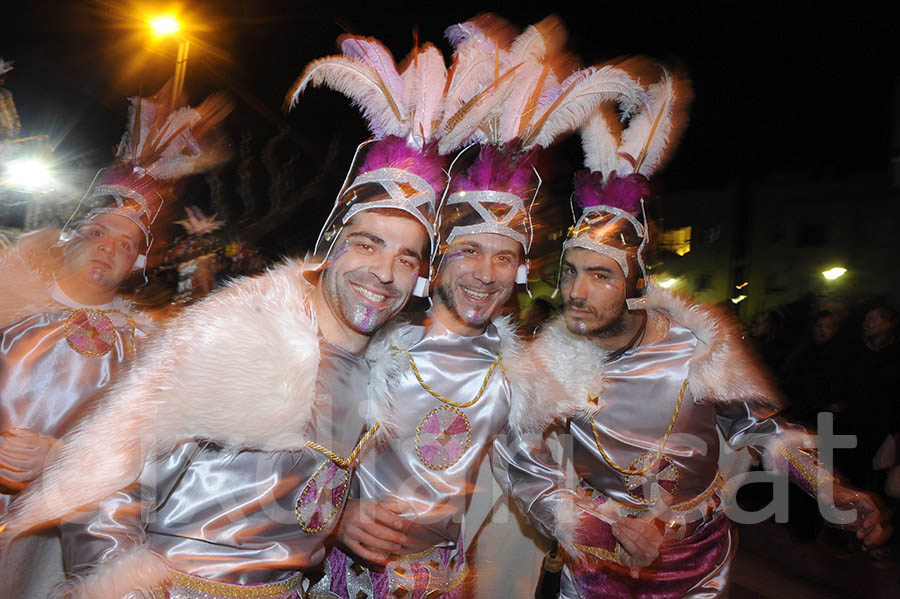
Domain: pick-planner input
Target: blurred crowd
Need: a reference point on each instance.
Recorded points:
(843, 361)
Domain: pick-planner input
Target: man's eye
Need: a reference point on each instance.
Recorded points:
(599, 276)
(410, 264)
(365, 247)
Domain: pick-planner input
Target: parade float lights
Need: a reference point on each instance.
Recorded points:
(834, 273)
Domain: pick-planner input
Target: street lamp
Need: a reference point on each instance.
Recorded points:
(28, 174)
(164, 26)
(834, 273)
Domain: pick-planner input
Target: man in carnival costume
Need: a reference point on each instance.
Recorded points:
(453, 402)
(64, 331)
(643, 379)
(240, 425)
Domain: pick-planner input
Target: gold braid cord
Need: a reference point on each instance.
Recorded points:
(659, 452)
(344, 462)
(438, 396)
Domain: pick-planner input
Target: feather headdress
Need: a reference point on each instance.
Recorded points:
(620, 160)
(161, 145)
(404, 108)
(537, 99)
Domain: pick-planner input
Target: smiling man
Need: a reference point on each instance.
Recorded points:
(404, 532)
(222, 460)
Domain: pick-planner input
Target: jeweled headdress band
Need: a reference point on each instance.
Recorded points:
(419, 204)
(581, 237)
(491, 223)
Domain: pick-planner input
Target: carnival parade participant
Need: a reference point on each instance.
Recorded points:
(404, 535)
(643, 379)
(65, 333)
(240, 424)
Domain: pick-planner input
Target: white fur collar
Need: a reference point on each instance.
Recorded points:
(559, 369)
(236, 368)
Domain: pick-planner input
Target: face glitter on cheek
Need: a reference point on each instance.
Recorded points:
(96, 273)
(364, 318)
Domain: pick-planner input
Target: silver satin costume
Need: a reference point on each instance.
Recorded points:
(632, 405)
(53, 364)
(219, 517)
(428, 471)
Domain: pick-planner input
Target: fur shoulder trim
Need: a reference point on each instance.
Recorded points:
(386, 366)
(554, 374)
(26, 282)
(511, 348)
(236, 368)
(138, 571)
(723, 367)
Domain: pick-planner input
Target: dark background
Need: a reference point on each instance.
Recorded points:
(779, 88)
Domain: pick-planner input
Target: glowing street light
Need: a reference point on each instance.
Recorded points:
(834, 273)
(164, 25)
(28, 174)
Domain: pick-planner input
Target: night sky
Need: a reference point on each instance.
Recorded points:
(776, 90)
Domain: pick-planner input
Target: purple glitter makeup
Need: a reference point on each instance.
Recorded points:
(364, 318)
(339, 252)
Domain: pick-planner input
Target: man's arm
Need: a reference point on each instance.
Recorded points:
(790, 450)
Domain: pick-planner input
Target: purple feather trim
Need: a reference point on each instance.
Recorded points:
(624, 193)
(497, 169)
(394, 152)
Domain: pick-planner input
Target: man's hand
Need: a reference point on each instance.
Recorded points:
(22, 456)
(641, 537)
(372, 531)
(872, 522)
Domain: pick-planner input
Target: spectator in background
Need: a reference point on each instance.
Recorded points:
(872, 411)
(814, 376)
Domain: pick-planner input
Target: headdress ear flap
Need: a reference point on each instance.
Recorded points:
(421, 288)
(522, 274)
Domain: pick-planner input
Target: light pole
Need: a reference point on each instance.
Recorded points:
(167, 25)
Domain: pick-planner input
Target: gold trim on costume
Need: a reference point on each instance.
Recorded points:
(344, 462)
(438, 396)
(235, 591)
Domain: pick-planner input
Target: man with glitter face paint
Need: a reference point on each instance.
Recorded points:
(403, 534)
(245, 417)
(452, 399)
(65, 332)
(643, 380)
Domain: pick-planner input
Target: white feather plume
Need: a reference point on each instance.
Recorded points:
(473, 66)
(462, 127)
(424, 80)
(581, 94)
(600, 140)
(651, 136)
(360, 83)
(537, 41)
(373, 54)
